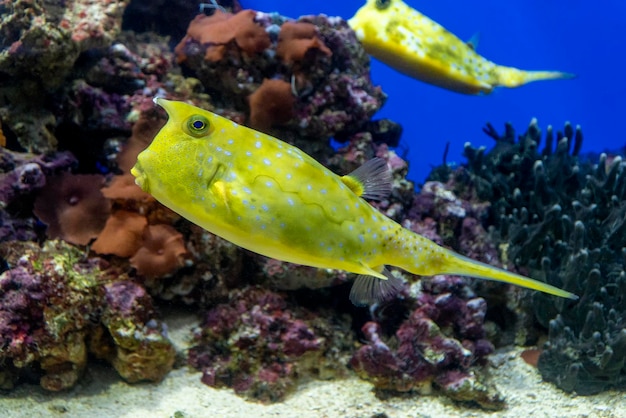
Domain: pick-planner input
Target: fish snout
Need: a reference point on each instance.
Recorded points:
(140, 177)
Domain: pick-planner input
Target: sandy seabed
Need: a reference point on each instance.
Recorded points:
(102, 394)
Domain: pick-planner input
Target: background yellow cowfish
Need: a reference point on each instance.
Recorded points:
(415, 45)
(271, 198)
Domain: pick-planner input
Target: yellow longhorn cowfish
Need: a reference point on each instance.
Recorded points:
(271, 198)
(413, 44)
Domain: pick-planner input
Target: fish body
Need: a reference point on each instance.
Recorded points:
(272, 198)
(419, 47)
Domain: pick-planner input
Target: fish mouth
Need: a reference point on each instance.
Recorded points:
(140, 177)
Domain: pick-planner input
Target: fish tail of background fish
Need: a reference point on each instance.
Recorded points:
(514, 77)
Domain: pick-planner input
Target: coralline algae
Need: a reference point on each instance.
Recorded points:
(262, 348)
(57, 306)
(437, 345)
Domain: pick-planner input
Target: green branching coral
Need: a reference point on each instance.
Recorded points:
(562, 217)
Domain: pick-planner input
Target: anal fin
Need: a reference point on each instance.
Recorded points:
(368, 290)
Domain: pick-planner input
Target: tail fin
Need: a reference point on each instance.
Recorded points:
(463, 266)
(514, 77)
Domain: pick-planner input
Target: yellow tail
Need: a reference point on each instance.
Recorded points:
(463, 266)
(514, 77)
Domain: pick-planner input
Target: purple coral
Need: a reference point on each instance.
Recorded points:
(258, 345)
(20, 291)
(141, 349)
(21, 175)
(55, 308)
(439, 343)
(25, 173)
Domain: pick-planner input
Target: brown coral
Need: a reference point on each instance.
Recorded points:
(73, 207)
(3, 139)
(142, 134)
(124, 188)
(296, 39)
(271, 104)
(218, 30)
(162, 253)
(122, 235)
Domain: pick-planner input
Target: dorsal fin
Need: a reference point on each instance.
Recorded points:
(370, 181)
(368, 290)
(473, 41)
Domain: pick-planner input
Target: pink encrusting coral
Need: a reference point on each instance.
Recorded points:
(261, 347)
(438, 344)
(56, 307)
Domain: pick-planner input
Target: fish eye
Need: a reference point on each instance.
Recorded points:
(382, 4)
(197, 126)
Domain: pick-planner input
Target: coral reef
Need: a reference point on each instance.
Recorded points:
(57, 306)
(439, 342)
(303, 80)
(140, 349)
(44, 41)
(21, 175)
(561, 216)
(262, 64)
(262, 347)
(286, 276)
(41, 42)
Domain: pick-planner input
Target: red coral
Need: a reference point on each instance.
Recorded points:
(296, 39)
(122, 235)
(218, 30)
(271, 104)
(73, 207)
(162, 253)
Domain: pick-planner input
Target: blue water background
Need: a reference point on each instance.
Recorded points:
(581, 37)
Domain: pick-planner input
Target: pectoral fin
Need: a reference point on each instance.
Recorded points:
(372, 180)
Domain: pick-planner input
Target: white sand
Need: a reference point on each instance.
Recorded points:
(102, 394)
